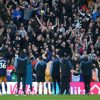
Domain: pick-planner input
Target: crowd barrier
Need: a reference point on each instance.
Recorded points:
(75, 88)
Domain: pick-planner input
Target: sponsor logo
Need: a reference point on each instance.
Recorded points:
(76, 88)
(13, 89)
(95, 89)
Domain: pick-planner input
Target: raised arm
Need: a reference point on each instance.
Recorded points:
(1, 31)
(72, 50)
(38, 20)
(57, 20)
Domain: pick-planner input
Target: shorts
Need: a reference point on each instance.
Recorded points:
(48, 78)
(40, 79)
(3, 79)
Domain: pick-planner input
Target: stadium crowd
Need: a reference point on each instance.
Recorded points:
(51, 27)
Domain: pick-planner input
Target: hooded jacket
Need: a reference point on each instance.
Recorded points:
(86, 66)
(21, 64)
(66, 66)
(40, 68)
(55, 67)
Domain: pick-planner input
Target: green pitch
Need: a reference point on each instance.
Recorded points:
(50, 97)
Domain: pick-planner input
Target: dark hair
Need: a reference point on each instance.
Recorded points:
(54, 56)
(22, 54)
(40, 58)
(66, 55)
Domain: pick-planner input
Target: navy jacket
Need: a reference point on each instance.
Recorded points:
(86, 67)
(40, 68)
(3, 67)
(66, 67)
(55, 67)
(21, 65)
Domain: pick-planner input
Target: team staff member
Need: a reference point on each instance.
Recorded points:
(40, 73)
(21, 70)
(86, 67)
(66, 68)
(55, 72)
(29, 74)
(3, 67)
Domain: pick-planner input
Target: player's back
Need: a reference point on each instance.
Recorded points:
(3, 66)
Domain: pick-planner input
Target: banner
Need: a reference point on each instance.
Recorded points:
(78, 88)
(75, 88)
(12, 88)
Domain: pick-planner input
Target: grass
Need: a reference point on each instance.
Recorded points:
(50, 97)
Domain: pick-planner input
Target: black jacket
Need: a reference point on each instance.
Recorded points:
(55, 71)
(21, 65)
(40, 68)
(66, 66)
(86, 67)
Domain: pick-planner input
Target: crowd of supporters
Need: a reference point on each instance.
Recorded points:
(47, 27)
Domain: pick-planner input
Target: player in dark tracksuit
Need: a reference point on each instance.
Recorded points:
(66, 68)
(55, 72)
(86, 67)
(21, 70)
(3, 67)
(40, 73)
